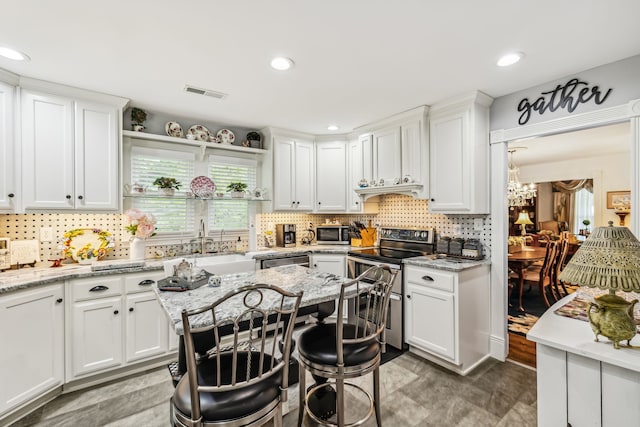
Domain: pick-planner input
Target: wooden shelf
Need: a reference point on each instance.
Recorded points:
(193, 143)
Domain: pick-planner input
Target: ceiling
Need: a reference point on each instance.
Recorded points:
(594, 142)
(356, 61)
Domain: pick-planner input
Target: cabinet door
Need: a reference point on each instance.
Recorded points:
(413, 155)
(386, 155)
(304, 173)
(449, 163)
(96, 338)
(334, 264)
(96, 157)
(8, 188)
(430, 320)
(354, 175)
(32, 337)
(47, 152)
(366, 141)
(283, 174)
(331, 176)
(146, 327)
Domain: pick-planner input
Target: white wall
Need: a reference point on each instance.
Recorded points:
(609, 173)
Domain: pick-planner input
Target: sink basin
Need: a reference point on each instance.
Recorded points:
(225, 264)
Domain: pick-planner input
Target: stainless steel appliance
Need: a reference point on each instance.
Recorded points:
(302, 260)
(332, 234)
(396, 244)
(285, 235)
(5, 253)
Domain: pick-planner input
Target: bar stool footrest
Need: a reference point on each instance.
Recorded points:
(327, 392)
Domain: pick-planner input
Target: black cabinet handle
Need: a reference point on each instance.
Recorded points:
(433, 200)
(59, 300)
(116, 312)
(11, 195)
(315, 265)
(68, 196)
(80, 197)
(98, 288)
(146, 282)
(427, 278)
(130, 308)
(408, 296)
(357, 203)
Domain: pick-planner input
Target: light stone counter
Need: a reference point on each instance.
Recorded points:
(447, 264)
(317, 287)
(270, 253)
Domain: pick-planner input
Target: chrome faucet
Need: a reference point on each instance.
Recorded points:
(202, 239)
(223, 247)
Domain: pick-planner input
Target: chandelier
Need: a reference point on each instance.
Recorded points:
(518, 194)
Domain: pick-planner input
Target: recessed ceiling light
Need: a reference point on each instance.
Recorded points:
(13, 54)
(510, 59)
(333, 127)
(281, 63)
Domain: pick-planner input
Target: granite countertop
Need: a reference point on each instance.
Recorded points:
(317, 286)
(270, 253)
(447, 264)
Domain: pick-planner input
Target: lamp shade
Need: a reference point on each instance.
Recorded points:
(523, 218)
(608, 259)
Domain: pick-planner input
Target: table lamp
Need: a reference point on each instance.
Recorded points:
(608, 259)
(523, 220)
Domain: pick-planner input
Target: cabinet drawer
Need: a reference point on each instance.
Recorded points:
(98, 287)
(141, 282)
(432, 278)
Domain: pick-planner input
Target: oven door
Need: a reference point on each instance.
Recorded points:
(393, 333)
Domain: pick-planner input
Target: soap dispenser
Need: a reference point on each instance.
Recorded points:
(239, 245)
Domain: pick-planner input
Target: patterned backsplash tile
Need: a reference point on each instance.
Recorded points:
(395, 211)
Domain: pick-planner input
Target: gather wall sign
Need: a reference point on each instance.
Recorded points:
(567, 96)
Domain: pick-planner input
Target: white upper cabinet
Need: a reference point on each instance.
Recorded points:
(459, 155)
(354, 174)
(293, 174)
(8, 187)
(387, 161)
(69, 154)
(331, 176)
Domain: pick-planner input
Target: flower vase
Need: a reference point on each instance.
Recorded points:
(137, 248)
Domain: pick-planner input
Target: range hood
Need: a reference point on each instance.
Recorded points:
(414, 190)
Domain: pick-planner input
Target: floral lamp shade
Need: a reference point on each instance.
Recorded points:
(608, 259)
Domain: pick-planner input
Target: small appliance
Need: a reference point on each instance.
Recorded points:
(285, 235)
(331, 234)
(5, 253)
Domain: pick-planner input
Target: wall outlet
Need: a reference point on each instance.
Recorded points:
(457, 229)
(46, 234)
(478, 224)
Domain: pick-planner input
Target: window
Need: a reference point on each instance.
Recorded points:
(583, 208)
(230, 214)
(174, 215)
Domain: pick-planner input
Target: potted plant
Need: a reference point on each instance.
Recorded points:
(138, 116)
(586, 223)
(167, 186)
(237, 189)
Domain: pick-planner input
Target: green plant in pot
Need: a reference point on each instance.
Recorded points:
(167, 186)
(237, 189)
(138, 117)
(586, 223)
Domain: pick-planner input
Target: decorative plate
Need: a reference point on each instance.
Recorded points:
(200, 132)
(84, 244)
(174, 129)
(225, 136)
(203, 187)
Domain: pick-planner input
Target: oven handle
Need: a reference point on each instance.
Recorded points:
(395, 297)
(373, 263)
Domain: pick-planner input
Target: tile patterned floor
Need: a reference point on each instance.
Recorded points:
(414, 393)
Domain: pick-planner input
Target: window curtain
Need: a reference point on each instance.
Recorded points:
(564, 198)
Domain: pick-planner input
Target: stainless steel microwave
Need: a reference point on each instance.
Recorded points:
(332, 235)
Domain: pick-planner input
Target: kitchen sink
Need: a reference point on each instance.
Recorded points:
(216, 264)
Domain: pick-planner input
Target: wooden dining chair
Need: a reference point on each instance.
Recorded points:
(240, 379)
(542, 276)
(558, 266)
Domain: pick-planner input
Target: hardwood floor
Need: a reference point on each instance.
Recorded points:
(414, 393)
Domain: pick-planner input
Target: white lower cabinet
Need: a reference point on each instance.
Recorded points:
(32, 339)
(446, 316)
(331, 263)
(114, 320)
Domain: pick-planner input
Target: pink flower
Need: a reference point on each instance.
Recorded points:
(145, 229)
(141, 225)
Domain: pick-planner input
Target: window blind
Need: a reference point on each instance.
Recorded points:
(173, 215)
(230, 214)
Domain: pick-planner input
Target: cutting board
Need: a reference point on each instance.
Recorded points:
(25, 251)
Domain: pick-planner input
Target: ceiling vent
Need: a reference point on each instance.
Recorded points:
(205, 92)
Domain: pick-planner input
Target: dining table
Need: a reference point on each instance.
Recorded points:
(519, 261)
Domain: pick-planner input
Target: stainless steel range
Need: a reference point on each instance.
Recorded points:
(396, 244)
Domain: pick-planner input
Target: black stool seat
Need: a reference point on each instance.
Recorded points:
(318, 345)
(227, 405)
